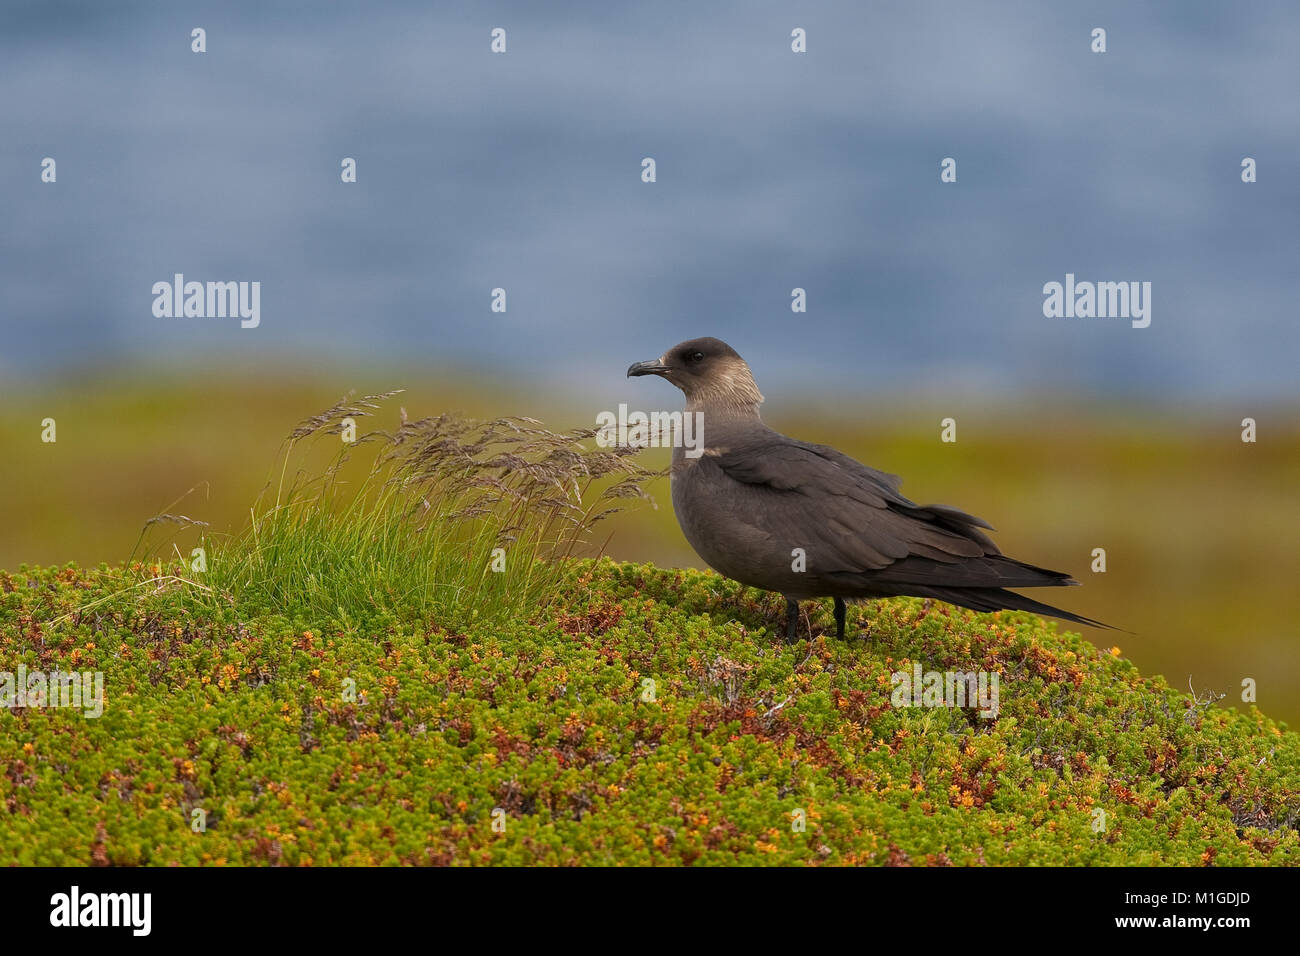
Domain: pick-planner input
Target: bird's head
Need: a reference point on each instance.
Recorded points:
(707, 370)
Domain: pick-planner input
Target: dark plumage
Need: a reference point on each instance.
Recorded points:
(755, 495)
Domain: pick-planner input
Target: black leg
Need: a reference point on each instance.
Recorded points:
(791, 620)
(840, 610)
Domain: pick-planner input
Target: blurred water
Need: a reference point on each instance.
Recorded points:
(775, 171)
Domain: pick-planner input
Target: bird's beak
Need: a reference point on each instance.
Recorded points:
(653, 367)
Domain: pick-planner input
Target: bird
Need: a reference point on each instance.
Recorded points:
(809, 522)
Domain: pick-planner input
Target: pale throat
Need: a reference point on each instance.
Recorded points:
(728, 389)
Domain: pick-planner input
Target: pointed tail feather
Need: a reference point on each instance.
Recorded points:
(1000, 599)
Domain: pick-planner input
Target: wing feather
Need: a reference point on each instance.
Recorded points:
(853, 519)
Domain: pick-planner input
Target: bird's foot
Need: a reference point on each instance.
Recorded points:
(791, 620)
(840, 611)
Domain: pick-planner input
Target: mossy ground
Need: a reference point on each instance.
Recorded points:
(545, 720)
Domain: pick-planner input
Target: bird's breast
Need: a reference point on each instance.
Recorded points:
(727, 530)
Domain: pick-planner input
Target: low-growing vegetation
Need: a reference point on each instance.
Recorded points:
(402, 664)
(646, 716)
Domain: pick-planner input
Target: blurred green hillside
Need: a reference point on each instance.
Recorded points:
(1200, 530)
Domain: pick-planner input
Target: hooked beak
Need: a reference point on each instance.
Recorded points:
(653, 367)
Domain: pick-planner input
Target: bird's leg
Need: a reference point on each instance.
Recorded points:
(791, 620)
(840, 611)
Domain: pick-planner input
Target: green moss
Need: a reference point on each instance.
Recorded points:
(548, 721)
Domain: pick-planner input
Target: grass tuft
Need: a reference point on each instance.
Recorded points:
(443, 515)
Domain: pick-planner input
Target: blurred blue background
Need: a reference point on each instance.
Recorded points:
(775, 171)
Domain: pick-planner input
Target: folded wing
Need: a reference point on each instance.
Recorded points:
(853, 522)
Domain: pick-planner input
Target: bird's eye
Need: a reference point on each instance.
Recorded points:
(695, 357)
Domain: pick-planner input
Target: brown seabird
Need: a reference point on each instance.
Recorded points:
(807, 521)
